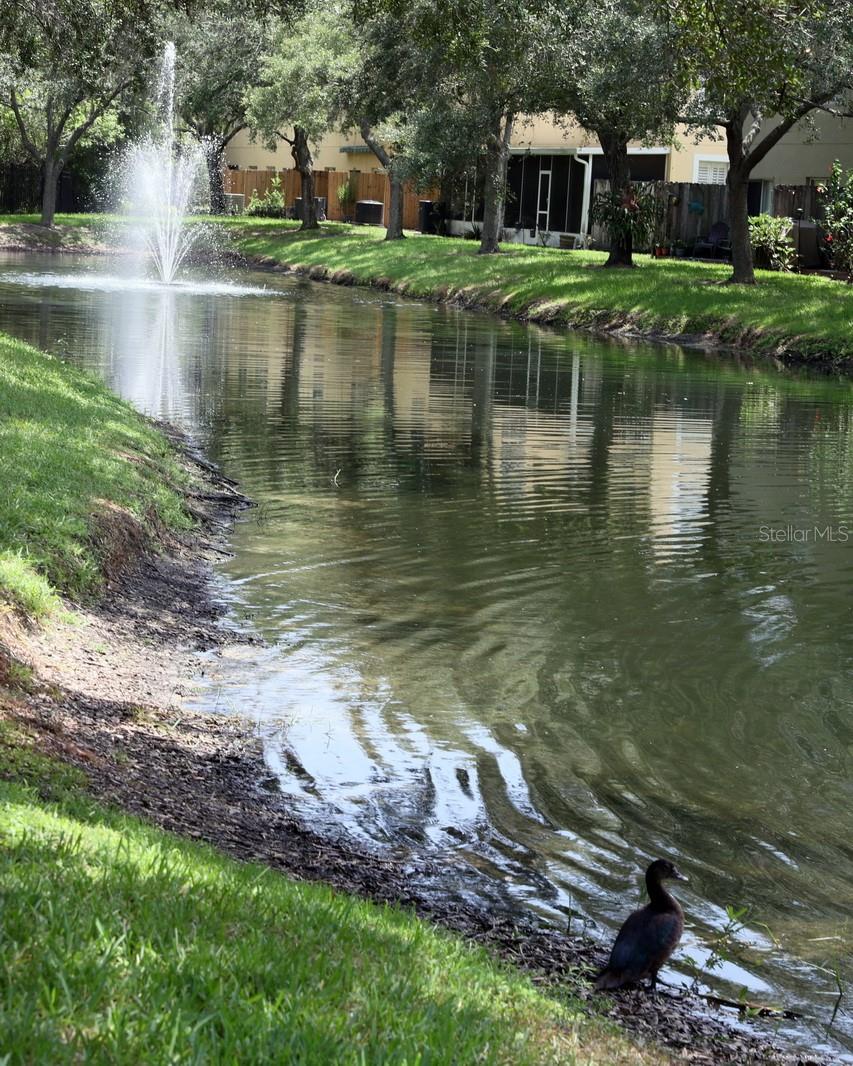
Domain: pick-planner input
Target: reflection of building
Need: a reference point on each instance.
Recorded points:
(679, 468)
(534, 451)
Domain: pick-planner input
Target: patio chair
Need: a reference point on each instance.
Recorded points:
(715, 243)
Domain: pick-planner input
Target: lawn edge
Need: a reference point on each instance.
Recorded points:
(723, 335)
(728, 337)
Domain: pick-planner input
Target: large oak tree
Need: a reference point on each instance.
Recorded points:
(219, 52)
(761, 67)
(65, 67)
(624, 81)
(297, 99)
(489, 63)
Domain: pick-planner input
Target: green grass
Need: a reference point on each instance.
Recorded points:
(75, 231)
(69, 448)
(122, 944)
(62, 220)
(810, 315)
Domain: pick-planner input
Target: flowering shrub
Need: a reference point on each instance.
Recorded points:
(836, 199)
(771, 243)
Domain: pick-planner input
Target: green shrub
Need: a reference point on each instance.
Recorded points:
(635, 213)
(346, 195)
(771, 243)
(836, 199)
(271, 204)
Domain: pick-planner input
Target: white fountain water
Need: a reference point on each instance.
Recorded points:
(161, 175)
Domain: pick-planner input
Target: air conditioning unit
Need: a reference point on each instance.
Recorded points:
(369, 212)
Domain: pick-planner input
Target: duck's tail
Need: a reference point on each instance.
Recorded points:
(609, 979)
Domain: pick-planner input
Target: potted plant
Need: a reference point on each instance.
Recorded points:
(679, 249)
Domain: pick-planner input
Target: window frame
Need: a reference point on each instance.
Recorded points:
(698, 160)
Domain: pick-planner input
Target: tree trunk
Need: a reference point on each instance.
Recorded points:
(743, 272)
(215, 157)
(50, 171)
(394, 227)
(301, 153)
(615, 150)
(738, 183)
(494, 192)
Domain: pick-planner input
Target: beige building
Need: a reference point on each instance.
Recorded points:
(554, 166)
(338, 151)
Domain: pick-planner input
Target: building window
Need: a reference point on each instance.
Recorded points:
(710, 170)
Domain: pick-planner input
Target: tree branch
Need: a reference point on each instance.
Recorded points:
(375, 146)
(97, 111)
(228, 137)
(753, 156)
(26, 141)
(828, 110)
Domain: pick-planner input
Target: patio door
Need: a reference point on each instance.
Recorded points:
(544, 200)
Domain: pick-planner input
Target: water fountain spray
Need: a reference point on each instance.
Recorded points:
(161, 173)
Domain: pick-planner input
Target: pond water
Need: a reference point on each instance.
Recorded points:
(548, 604)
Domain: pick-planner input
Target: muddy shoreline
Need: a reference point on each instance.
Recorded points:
(106, 695)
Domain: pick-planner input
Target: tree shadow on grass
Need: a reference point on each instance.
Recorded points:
(205, 960)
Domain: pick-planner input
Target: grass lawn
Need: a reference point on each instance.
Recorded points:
(808, 314)
(122, 944)
(70, 449)
(62, 221)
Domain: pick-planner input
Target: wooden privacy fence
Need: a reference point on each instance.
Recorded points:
(366, 186)
(20, 189)
(795, 201)
(691, 208)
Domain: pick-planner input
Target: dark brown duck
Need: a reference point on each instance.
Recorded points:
(649, 935)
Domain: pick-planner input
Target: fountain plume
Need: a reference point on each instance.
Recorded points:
(162, 173)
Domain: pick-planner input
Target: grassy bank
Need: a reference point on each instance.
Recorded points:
(73, 459)
(800, 318)
(123, 944)
(84, 233)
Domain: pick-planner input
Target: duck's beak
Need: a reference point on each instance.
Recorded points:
(679, 876)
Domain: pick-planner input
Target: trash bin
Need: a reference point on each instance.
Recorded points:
(369, 212)
(426, 222)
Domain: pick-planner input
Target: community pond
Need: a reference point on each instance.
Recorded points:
(544, 604)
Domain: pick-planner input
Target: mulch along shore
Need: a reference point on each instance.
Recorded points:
(106, 696)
